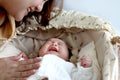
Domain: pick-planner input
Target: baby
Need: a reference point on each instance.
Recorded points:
(55, 63)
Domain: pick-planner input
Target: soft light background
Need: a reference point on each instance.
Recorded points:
(106, 9)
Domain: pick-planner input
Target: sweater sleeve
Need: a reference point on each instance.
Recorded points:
(81, 73)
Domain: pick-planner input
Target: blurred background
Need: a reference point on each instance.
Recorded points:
(106, 9)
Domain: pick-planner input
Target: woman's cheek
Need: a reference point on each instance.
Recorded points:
(20, 15)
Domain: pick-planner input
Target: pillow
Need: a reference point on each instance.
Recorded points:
(89, 50)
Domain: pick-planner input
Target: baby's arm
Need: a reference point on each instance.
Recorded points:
(84, 69)
(81, 73)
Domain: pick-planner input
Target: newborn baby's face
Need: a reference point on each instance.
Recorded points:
(55, 46)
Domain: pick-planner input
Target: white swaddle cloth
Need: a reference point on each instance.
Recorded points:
(55, 68)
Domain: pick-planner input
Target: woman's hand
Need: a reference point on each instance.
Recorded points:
(12, 69)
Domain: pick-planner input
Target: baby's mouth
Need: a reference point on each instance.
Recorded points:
(53, 49)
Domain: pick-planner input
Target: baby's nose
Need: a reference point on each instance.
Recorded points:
(55, 43)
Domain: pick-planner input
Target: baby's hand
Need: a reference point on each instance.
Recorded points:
(85, 61)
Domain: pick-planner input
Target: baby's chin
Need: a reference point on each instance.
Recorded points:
(53, 52)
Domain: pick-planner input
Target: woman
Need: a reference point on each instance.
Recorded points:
(18, 9)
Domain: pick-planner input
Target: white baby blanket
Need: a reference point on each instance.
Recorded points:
(55, 68)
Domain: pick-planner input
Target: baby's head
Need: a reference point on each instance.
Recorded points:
(55, 46)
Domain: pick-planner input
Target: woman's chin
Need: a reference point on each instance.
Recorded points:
(19, 17)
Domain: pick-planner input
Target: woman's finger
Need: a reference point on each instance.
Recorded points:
(24, 74)
(29, 61)
(18, 79)
(28, 67)
(15, 58)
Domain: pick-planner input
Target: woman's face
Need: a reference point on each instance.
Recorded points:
(20, 8)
